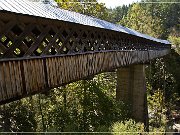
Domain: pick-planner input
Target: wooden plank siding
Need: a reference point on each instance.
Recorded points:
(20, 78)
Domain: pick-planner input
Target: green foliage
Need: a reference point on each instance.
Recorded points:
(172, 67)
(84, 107)
(141, 20)
(18, 117)
(124, 127)
(157, 111)
(118, 13)
(88, 7)
(175, 43)
(174, 38)
(168, 13)
(87, 105)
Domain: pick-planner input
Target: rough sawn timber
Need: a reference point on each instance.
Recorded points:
(23, 77)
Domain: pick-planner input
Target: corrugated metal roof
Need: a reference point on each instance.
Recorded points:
(50, 10)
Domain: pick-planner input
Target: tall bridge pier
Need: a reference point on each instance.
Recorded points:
(131, 89)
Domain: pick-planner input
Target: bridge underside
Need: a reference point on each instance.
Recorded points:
(23, 77)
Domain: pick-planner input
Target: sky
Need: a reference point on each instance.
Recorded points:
(115, 3)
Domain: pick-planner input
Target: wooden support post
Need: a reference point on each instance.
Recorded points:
(131, 89)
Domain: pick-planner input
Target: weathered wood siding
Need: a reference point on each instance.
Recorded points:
(22, 77)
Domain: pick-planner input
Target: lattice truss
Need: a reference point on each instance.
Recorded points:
(24, 38)
(18, 39)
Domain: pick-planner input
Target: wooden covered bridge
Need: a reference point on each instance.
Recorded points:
(43, 46)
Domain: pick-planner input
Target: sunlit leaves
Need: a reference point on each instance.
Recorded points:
(141, 20)
(87, 7)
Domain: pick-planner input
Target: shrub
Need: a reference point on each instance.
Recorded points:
(128, 126)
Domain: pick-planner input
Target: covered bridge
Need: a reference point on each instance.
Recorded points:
(43, 46)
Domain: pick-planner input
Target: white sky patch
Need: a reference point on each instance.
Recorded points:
(115, 3)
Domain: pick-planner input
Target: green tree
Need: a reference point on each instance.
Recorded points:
(168, 13)
(87, 7)
(174, 37)
(18, 116)
(141, 20)
(118, 13)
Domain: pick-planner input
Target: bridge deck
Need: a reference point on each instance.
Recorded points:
(37, 54)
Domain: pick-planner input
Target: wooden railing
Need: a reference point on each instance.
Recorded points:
(24, 36)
